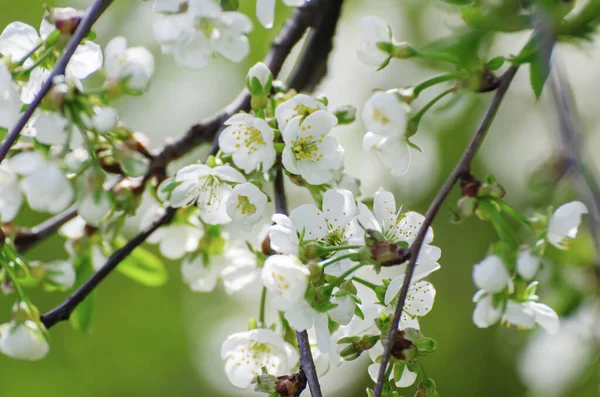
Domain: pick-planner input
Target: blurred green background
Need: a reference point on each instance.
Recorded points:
(165, 342)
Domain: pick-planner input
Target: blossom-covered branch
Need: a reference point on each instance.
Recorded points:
(461, 169)
(83, 28)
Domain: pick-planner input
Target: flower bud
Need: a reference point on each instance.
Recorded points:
(357, 345)
(65, 19)
(492, 189)
(424, 345)
(265, 382)
(388, 254)
(291, 386)
(265, 246)
(402, 50)
(345, 114)
(466, 206)
(402, 348)
(259, 79)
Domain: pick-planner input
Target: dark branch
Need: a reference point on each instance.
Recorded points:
(307, 363)
(463, 167)
(93, 13)
(63, 311)
(25, 239)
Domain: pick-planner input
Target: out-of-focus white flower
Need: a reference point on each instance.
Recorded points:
(265, 10)
(168, 5)
(200, 275)
(250, 142)
(17, 40)
(174, 240)
(61, 272)
(246, 205)
(491, 275)
(50, 129)
(23, 341)
(286, 280)
(564, 223)
(349, 183)
(93, 207)
(527, 263)
(134, 66)
(309, 150)
(486, 313)
(246, 353)
(241, 269)
(299, 105)
(385, 117)
(202, 30)
(375, 31)
(524, 315)
(208, 187)
(105, 119)
(10, 195)
(10, 105)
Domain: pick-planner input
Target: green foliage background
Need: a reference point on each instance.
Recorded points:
(140, 341)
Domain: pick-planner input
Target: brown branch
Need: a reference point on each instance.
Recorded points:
(463, 167)
(93, 13)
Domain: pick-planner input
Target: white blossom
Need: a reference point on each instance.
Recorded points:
(105, 119)
(309, 150)
(528, 264)
(491, 275)
(61, 272)
(344, 311)
(134, 66)
(10, 195)
(10, 105)
(375, 30)
(208, 187)
(265, 10)
(17, 40)
(407, 378)
(564, 223)
(283, 235)
(50, 128)
(202, 275)
(419, 300)
(246, 205)
(299, 105)
(486, 313)
(241, 269)
(246, 353)
(93, 207)
(23, 341)
(286, 280)
(250, 142)
(524, 315)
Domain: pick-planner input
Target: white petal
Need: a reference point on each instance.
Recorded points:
(86, 60)
(17, 40)
(24, 341)
(308, 219)
(565, 222)
(490, 274)
(265, 12)
(527, 264)
(485, 313)
(338, 207)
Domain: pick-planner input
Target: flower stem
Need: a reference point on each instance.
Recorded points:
(263, 302)
(417, 89)
(414, 120)
(342, 278)
(340, 248)
(331, 261)
(365, 283)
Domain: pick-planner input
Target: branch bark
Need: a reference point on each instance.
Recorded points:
(93, 13)
(463, 167)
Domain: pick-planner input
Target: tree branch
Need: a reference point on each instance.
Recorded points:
(307, 363)
(463, 167)
(93, 13)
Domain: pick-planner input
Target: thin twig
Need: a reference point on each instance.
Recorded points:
(462, 168)
(93, 13)
(25, 239)
(307, 363)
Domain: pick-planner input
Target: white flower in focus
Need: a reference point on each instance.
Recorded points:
(250, 141)
(265, 10)
(10, 105)
(528, 264)
(419, 301)
(334, 226)
(486, 313)
(208, 187)
(406, 379)
(286, 280)
(134, 65)
(246, 205)
(174, 240)
(246, 353)
(344, 311)
(105, 119)
(564, 223)
(10, 195)
(23, 341)
(491, 275)
(309, 150)
(375, 30)
(61, 272)
(283, 235)
(524, 315)
(299, 105)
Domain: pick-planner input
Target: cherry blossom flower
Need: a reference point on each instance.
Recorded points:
(10, 105)
(385, 117)
(23, 341)
(525, 315)
(491, 275)
(486, 312)
(527, 263)
(286, 280)
(564, 223)
(133, 66)
(283, 235)
(299, 105)
(407, 378)
(246, 353)
(105, 119)
(208, 187)
(246, 205)
(265, 10)
(61, 273)
(309, 151)
(250, 142)
(50, 128)
(376, 31)
(419, 301)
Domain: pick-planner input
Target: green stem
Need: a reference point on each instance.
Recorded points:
(511, 211)
(338, 281)
(13, 276)
(414, 120)
(263, 302)
(365, 283)
(340, 248)
(437, 80)
(39, 61)
(336, 259)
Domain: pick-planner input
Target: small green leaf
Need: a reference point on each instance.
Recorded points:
(538, 73)
(495, 63)
(82, 316)
(145, 268)
(414, 145)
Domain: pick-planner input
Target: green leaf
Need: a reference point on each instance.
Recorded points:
(538, 73)
(82, 316)
(495, 63)
(144, 267)
(458, 2)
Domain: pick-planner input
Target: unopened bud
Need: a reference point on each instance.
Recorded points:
(65, 19)
(291, 386)
(259, 79)
(424, 345)
(402, 50)
(402, 348)
(469, 185)
(316, 271)
(345, 114)
(312, 251)
(466, 206)
(388, 254)
(357, 345)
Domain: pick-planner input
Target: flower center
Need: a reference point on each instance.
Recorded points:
(245, 206)
(280, 281)
(258, 355)
(307, 148)
(336, 237)
(250, 137)
(303, 110)
(379, 116)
